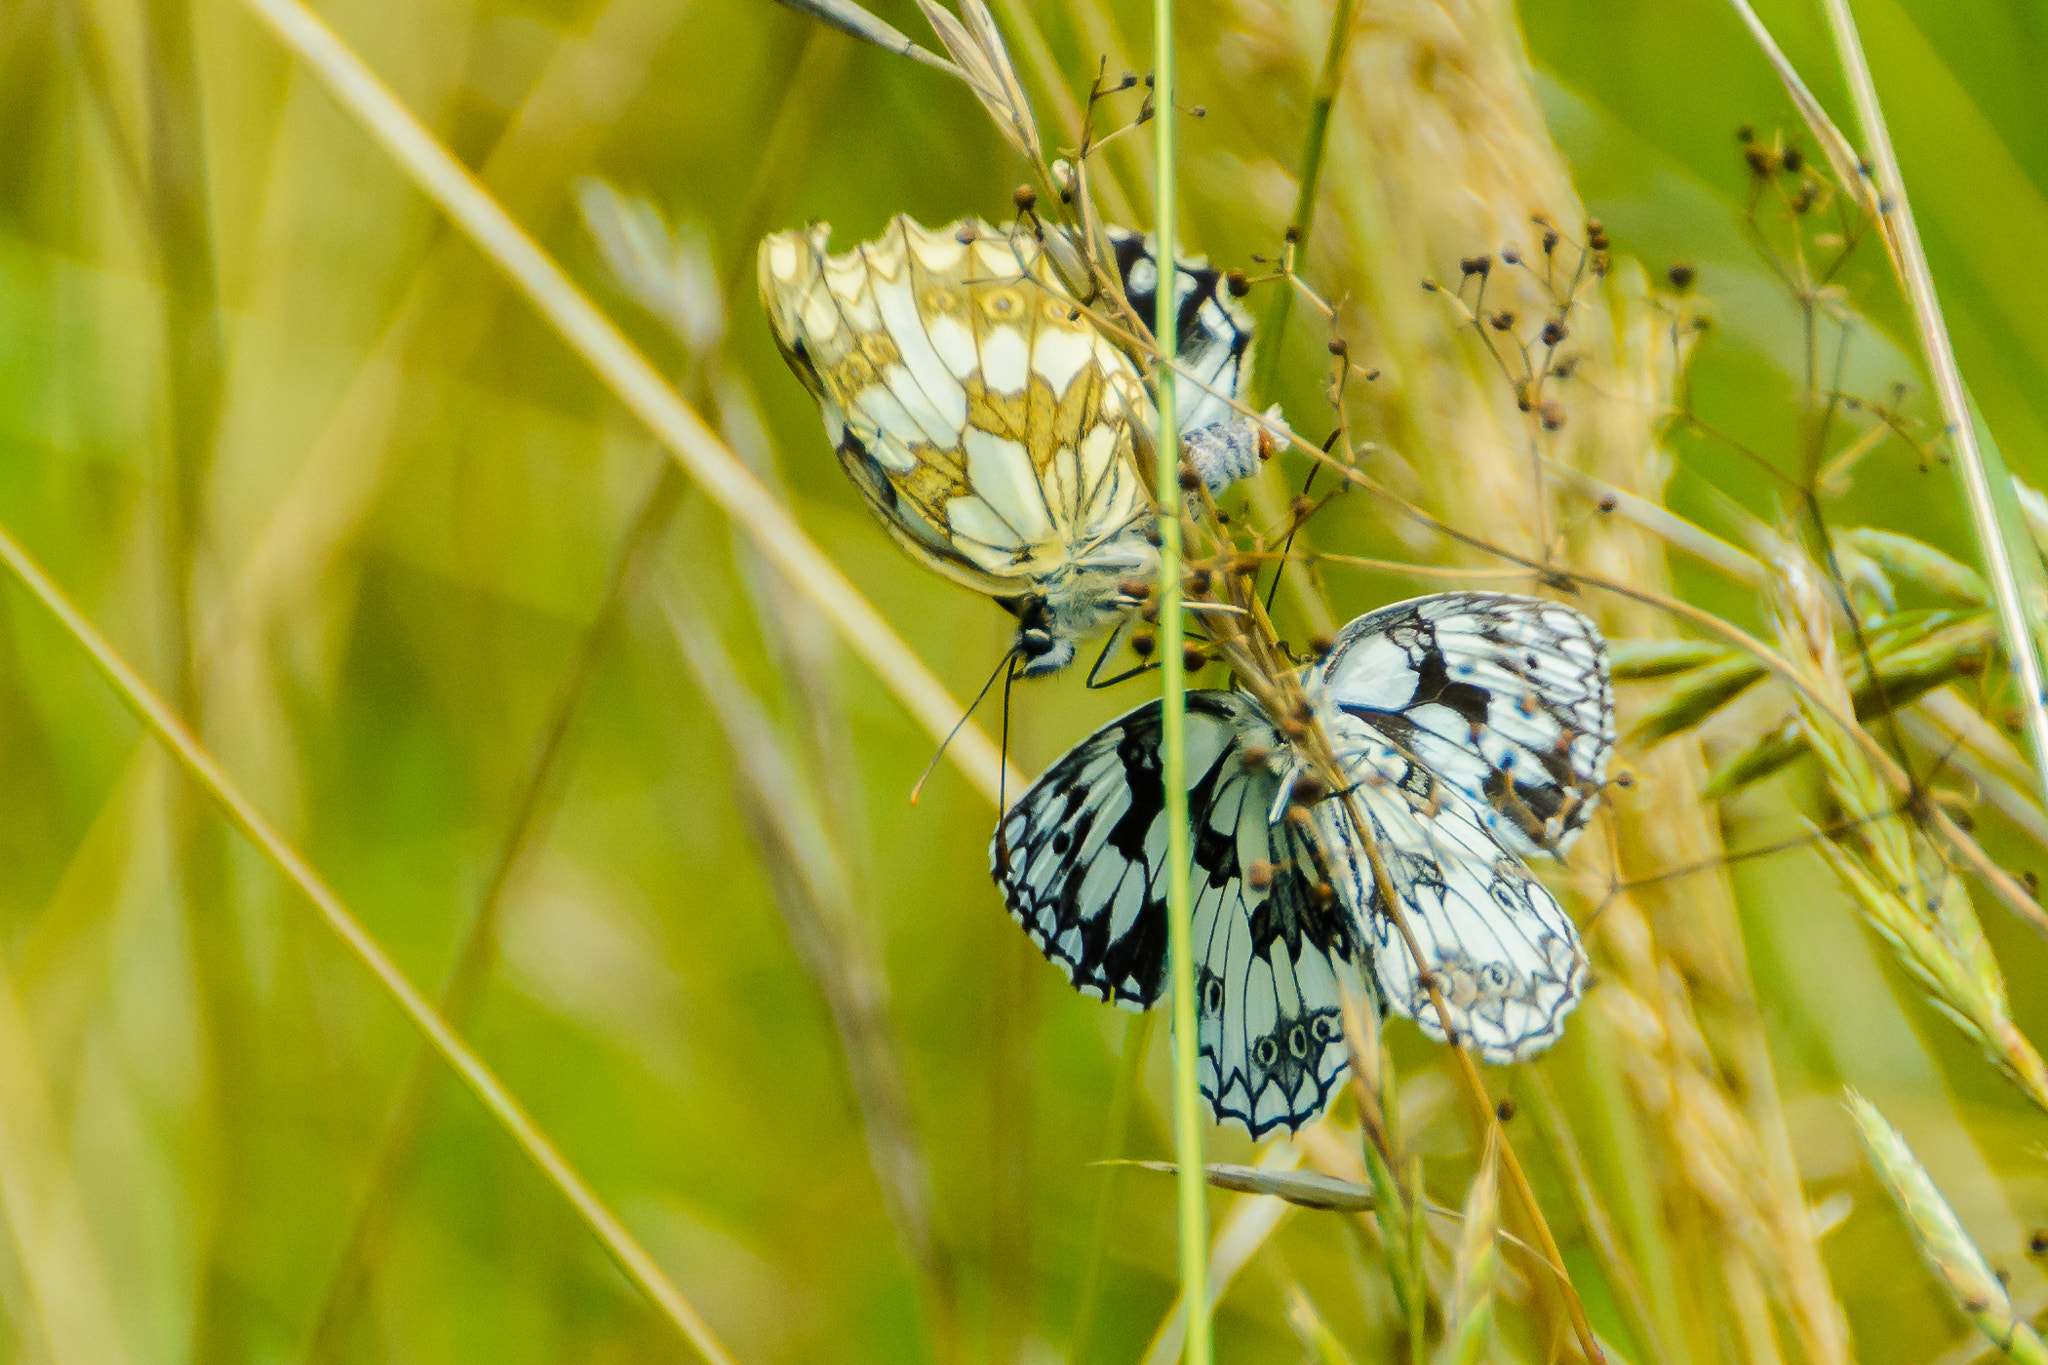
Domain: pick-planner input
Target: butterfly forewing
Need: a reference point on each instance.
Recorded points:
(1505, 698)
(1081, 862)
(1213, 331)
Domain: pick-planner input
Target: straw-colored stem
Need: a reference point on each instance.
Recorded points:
(203, 769)
(437, 174)
(1187, 1101)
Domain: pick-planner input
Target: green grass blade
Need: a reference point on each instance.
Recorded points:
(242, 813)
(1187, 1101)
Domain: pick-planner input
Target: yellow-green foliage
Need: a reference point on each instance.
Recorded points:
(602, 776)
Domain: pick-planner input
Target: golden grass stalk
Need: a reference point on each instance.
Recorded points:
(1944, 1244)
(444, 180)
(1440, 121)
(201, 767)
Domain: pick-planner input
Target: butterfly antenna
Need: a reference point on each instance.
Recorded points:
(1007, 661)
(1287, 545)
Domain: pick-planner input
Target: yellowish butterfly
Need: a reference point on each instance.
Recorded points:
(1002, 438)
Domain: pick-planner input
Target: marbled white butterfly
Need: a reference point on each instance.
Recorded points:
(989, 423)
(1474, 729)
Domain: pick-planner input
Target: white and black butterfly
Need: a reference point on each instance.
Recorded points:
(1473, 728)
(989, 423)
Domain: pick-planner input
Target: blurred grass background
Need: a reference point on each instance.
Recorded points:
(309, 463)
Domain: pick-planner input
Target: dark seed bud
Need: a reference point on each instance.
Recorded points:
(1794, 160)
(1245, 566)
(1608, 502)
(1299, 817)
(1198, 583)
(1307, 790)
(1510, 256)
(1681, 275)
(1745, 134)
(1199, 111)
(1237, 283)
(1553, 332)
(1502, 321)
(1476, 265)
(1339, 346)
(1259, 875)
(2038, 1243)
(1551, 415)
(1550, 241)
(2033, 884)
(1505, 1110)
(1301, 507)
(1189, 479)
(1025, 198)
(1625, 781)
(1154, 536)
(1322, 895)
(1192, 657)
(1293, 233)
(1130, 78)
(1761, 162)
(1293, 729)
(1143, 643)
(1254, 757)
(1137, 589)
(1320, 644)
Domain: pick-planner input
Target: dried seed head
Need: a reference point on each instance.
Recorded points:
(1025, 198)
(1793, 160)
(1608, 502)
(1197, 582)
(1307, 790)
(2038, 1243)
(1293, 233)
(1476, 265)
(1189, 479)
(1502, 321)
(1339, 346)
(1137, 589)
(1321, 643)
(1554, 332)
(1681, 274)
(1510, 256)
(1551, 414)
(1238, 285)
(1745, 134)
(1193, 657)
(1254, 757)
(1143, 643)
(1293, 729)
(1505, 1110)
(1299, 817)
(1258, 874)
(1301, 506)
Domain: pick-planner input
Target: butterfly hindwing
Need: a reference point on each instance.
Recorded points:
(986, 420)
(1081, 862)
(1506, 957)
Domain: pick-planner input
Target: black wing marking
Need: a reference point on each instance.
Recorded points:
(1505, 698)
(1080, 860)
(1214, 332)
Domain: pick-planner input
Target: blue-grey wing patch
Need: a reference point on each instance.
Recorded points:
(1081, 863)
(1213, 331)
(1505, 698)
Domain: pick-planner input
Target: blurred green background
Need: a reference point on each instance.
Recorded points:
(313, 467)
